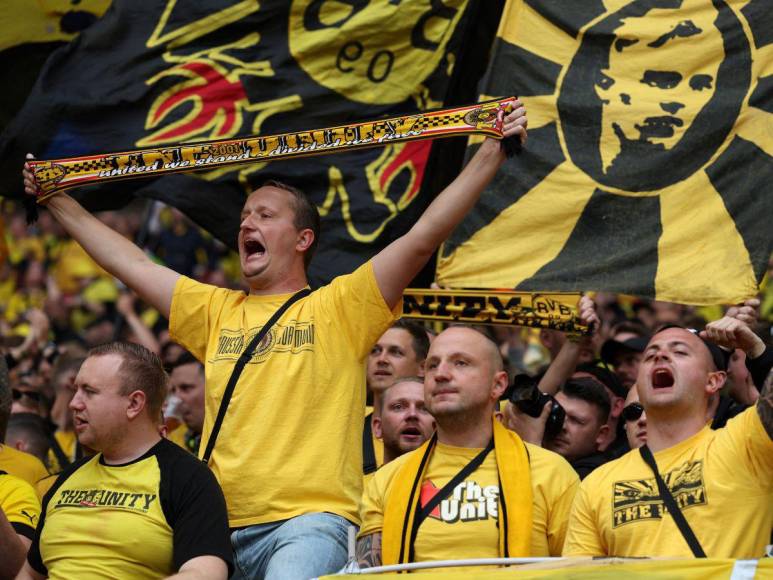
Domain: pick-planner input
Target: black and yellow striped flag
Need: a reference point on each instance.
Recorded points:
(649, 167)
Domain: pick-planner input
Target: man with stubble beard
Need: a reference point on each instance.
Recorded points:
(722, 481)
(475, 489)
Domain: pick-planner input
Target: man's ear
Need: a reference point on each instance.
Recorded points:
(420, 372)
(617, 407)
(601, 436)
(305, 240)
(137, 402)
(375, 423)
(501, 380)
(716, 380)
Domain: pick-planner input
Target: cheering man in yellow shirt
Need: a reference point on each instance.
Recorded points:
(288, 454)
(689, 490)
(475, 489)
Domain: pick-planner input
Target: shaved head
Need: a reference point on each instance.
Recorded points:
(486, 343)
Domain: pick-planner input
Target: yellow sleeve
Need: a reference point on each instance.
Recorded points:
(372, 507)
(744, 437)
(194, 306)
(582, 535)
(558, 517)
(355, 302)
(19, 501)
(42, 486)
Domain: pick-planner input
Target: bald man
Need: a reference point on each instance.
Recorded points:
(475, 489)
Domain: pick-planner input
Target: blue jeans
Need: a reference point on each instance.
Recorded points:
(300, 548)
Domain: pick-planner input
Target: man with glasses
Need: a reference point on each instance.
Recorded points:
(634, 420)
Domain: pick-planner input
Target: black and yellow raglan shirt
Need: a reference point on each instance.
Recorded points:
(20, 504)
(142, 519)
(291, 442)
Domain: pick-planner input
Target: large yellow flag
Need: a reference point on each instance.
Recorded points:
(649, 167)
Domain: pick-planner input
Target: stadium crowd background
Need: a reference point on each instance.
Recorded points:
(57, 304)
(43, 269)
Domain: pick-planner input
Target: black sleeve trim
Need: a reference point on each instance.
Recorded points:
(760, 367)
(24, 530)
(33, 556)
(194, 507)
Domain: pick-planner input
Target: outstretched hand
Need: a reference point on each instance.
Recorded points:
(748, 312)
(515, 122)
(587, 312)
(733, 333)
(31, 186)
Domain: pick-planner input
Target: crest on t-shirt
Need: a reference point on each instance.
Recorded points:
(293, 337)
(468, 502)
(639, 499)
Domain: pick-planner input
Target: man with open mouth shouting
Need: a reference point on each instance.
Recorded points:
(288, 452)
(689, 490)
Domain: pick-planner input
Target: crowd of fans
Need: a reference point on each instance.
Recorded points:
(492, 428)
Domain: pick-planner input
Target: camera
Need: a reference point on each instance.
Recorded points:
(525, 395)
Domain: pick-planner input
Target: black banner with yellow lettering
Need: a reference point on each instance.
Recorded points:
(649, 164)
(164, 72)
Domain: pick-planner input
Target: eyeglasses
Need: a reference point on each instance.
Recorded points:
(632, 412)
(17, 394)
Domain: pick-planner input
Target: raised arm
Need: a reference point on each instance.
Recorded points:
(731, 332)
(120, 257)
(563, 366)
(397, 264)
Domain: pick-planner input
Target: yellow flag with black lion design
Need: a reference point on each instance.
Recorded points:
(649, 166)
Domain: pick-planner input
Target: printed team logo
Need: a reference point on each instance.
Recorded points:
(639, 499)
(468, 502)
(480, 117)
(645, 119)
(295, 337)
(336, 44)
(92, 498)
(33, 518)
(50, 173)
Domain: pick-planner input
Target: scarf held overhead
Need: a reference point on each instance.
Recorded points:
(56, 175)
(515, 499)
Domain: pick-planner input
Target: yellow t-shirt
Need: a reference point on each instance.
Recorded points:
(142, 519)
(722, 481)
(69, 443)
(465, 524)
(22, 465)
(20, 504)
(292, 440)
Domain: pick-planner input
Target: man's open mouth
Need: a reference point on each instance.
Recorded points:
(662, 378)
(253, 247)
(411, 432)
